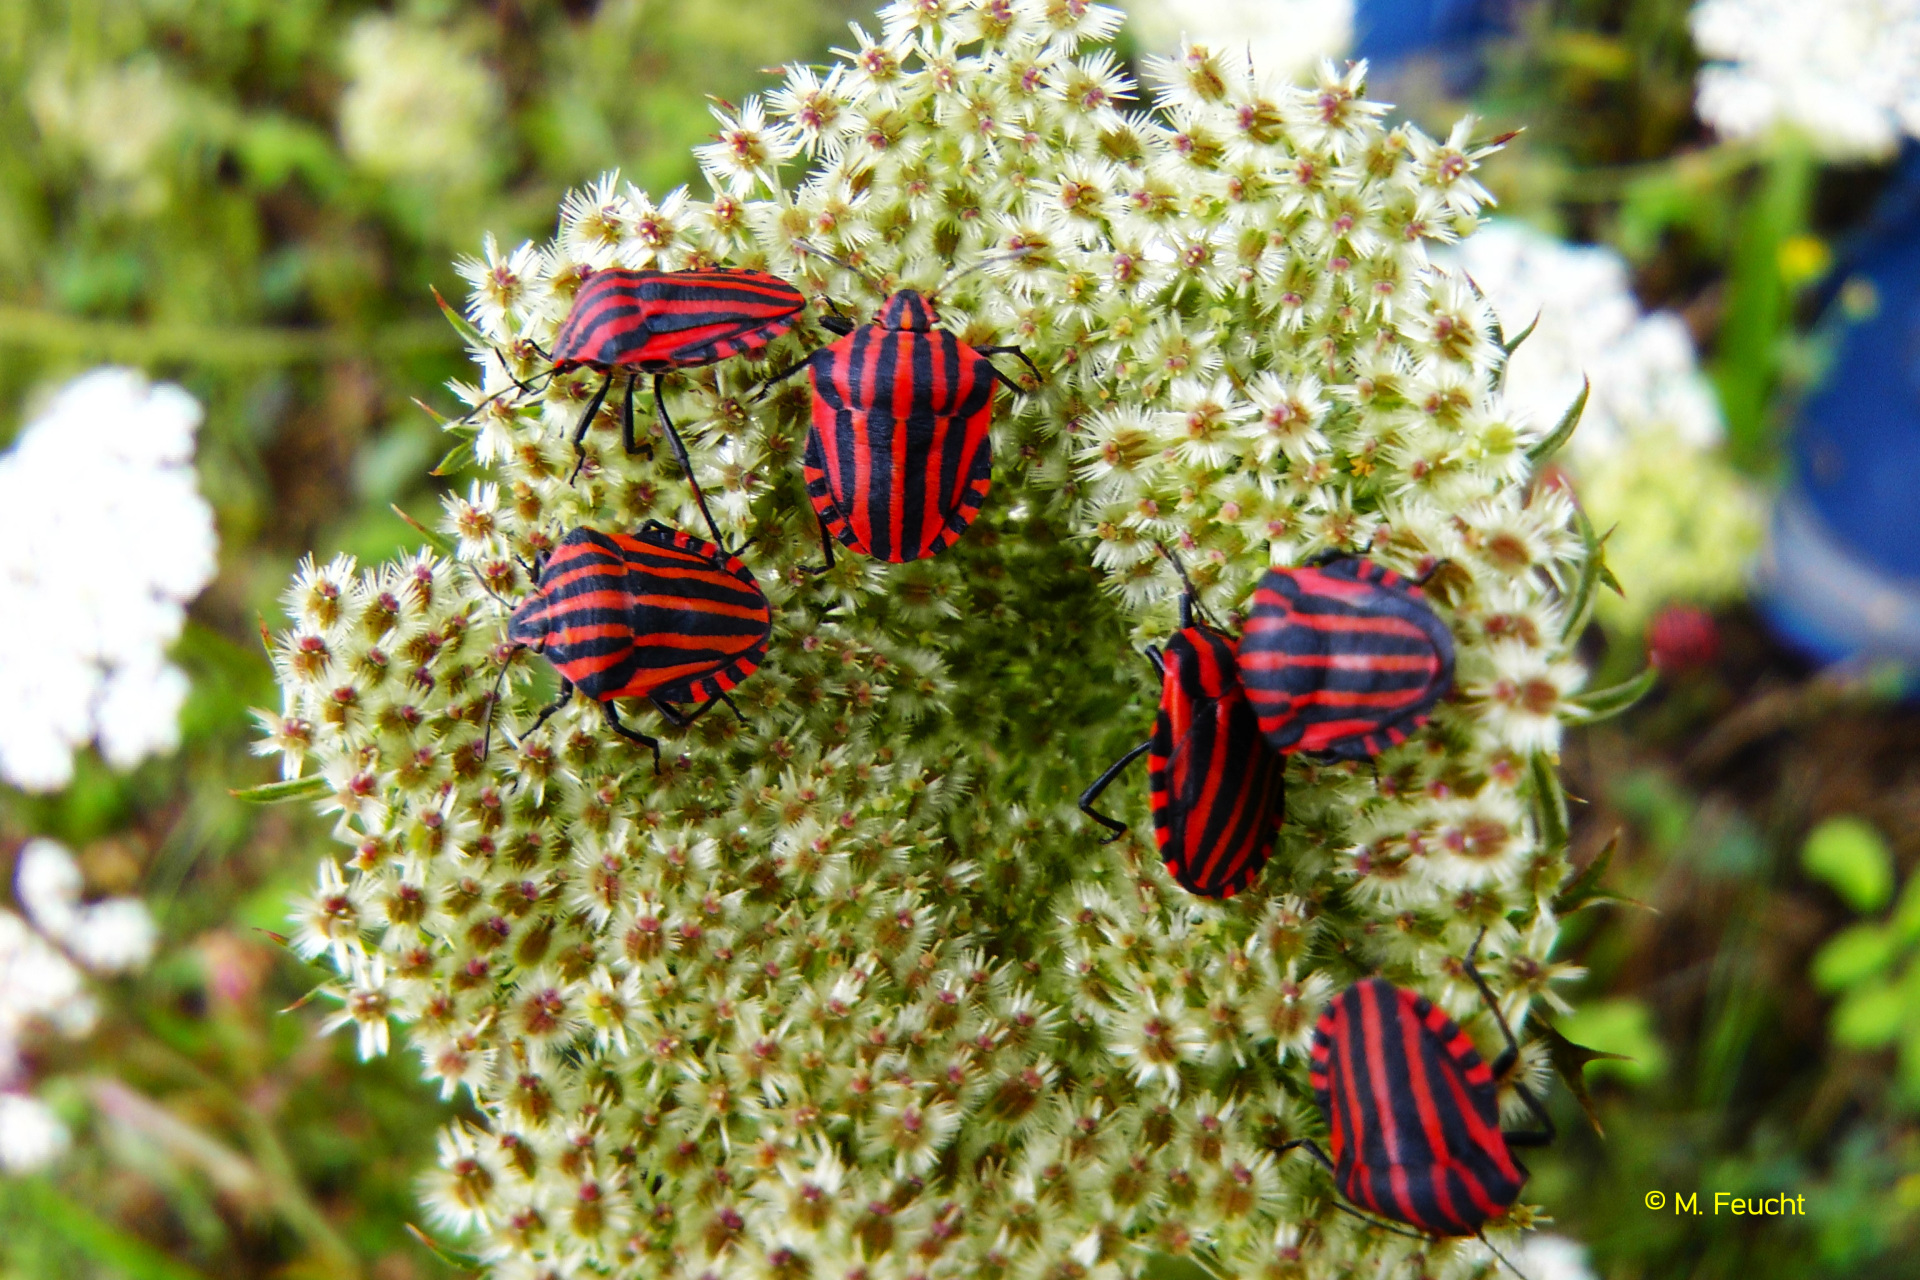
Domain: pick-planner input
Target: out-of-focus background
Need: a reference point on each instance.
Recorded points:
(220, 225)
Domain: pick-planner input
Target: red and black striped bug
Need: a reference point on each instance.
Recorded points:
(1412, 1112)
(1343, 658)
(646, 321)
(660, 615)
(1217, 790)
(900, 454)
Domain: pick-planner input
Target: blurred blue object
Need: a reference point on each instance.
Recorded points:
(1842, 578)
(1390, 31)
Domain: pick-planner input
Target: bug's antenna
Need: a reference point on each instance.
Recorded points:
(807, 246)
(1191, 602)
(961, 273)
(1482, 1233)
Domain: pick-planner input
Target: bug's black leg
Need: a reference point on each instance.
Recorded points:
(1005, 381)
(631, 734)
(508, 370)
(1511, 1054)
(1159, 662)
(780, 377)
(1482, 1233)
(826, 546)
(493, 705)
(681, 719)
(1016, 353)
(586, 420)
(566, 695)
(669, 712)
(1104, 781)
(686, 463)
(1426, 577)
(1308, 1145)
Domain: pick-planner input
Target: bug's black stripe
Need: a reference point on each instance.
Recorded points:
(901, 404)
(1343, 670)
(1216, 786)
(660, 320)
(622, 616)
(1411, 1112)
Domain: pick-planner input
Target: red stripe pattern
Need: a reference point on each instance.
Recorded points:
(1217, 789)
(659, 614)
(1413, 1121)
(900, 457)
(655, 321)
(1344, 660)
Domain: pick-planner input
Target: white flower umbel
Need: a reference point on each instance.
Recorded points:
(43, 991)
(1645, 459)
(847, 985)
(1283, 37)
(95, 577)
(418, 106)
(1845, 73)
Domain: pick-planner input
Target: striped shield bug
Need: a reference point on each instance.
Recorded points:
(900, 454)
(646, 321)
(1217, 790)
(660, 615)
(1343, 657)
(1413, 1113)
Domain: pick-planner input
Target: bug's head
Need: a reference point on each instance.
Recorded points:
(528, 623)
(907, 309)
(1202, 663)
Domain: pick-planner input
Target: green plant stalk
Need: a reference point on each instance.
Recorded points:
(1758, 309)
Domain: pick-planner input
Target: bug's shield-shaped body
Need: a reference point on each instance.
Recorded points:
(1413, 1120)
(655, 321)
(1346, 659)
(1217, 789)
(659, 614)
(900, 456)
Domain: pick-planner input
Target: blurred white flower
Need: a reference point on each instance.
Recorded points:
(94, 578)
(1846, 72)
(30, 1134)
(417, 105)
(115, 936)
(1285, 37)
(118, 118)
(1645, 457)
(1545, 1256)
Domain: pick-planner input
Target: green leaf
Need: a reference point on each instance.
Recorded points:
(1623, 1030)
(1564, 431)
(1550, 801)
(1585, 889)
(438, 541)
(1848, 855)
(1513, 345)
(458, 458)
(99, 1239)
(1592, 567)
(462, 326)
(1570, 1062)
(452, 1257)
(314, 784)
(1854, 955)
(1870, 1016)
(1604, 704)
(1906, 916)
(1166, 1266)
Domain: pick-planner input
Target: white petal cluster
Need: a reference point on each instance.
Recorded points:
(95, 576)
(1282, 37)
(846, 986)
(1843, 73)
(44, 961)
(1645, 459)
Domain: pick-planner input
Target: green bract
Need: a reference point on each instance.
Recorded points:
(852, 989)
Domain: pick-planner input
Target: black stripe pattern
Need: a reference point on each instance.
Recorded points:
(654, 321)
(1343, 660)
(900, 455)
(1217, 789)
(1413, 1120)
(659, 614)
